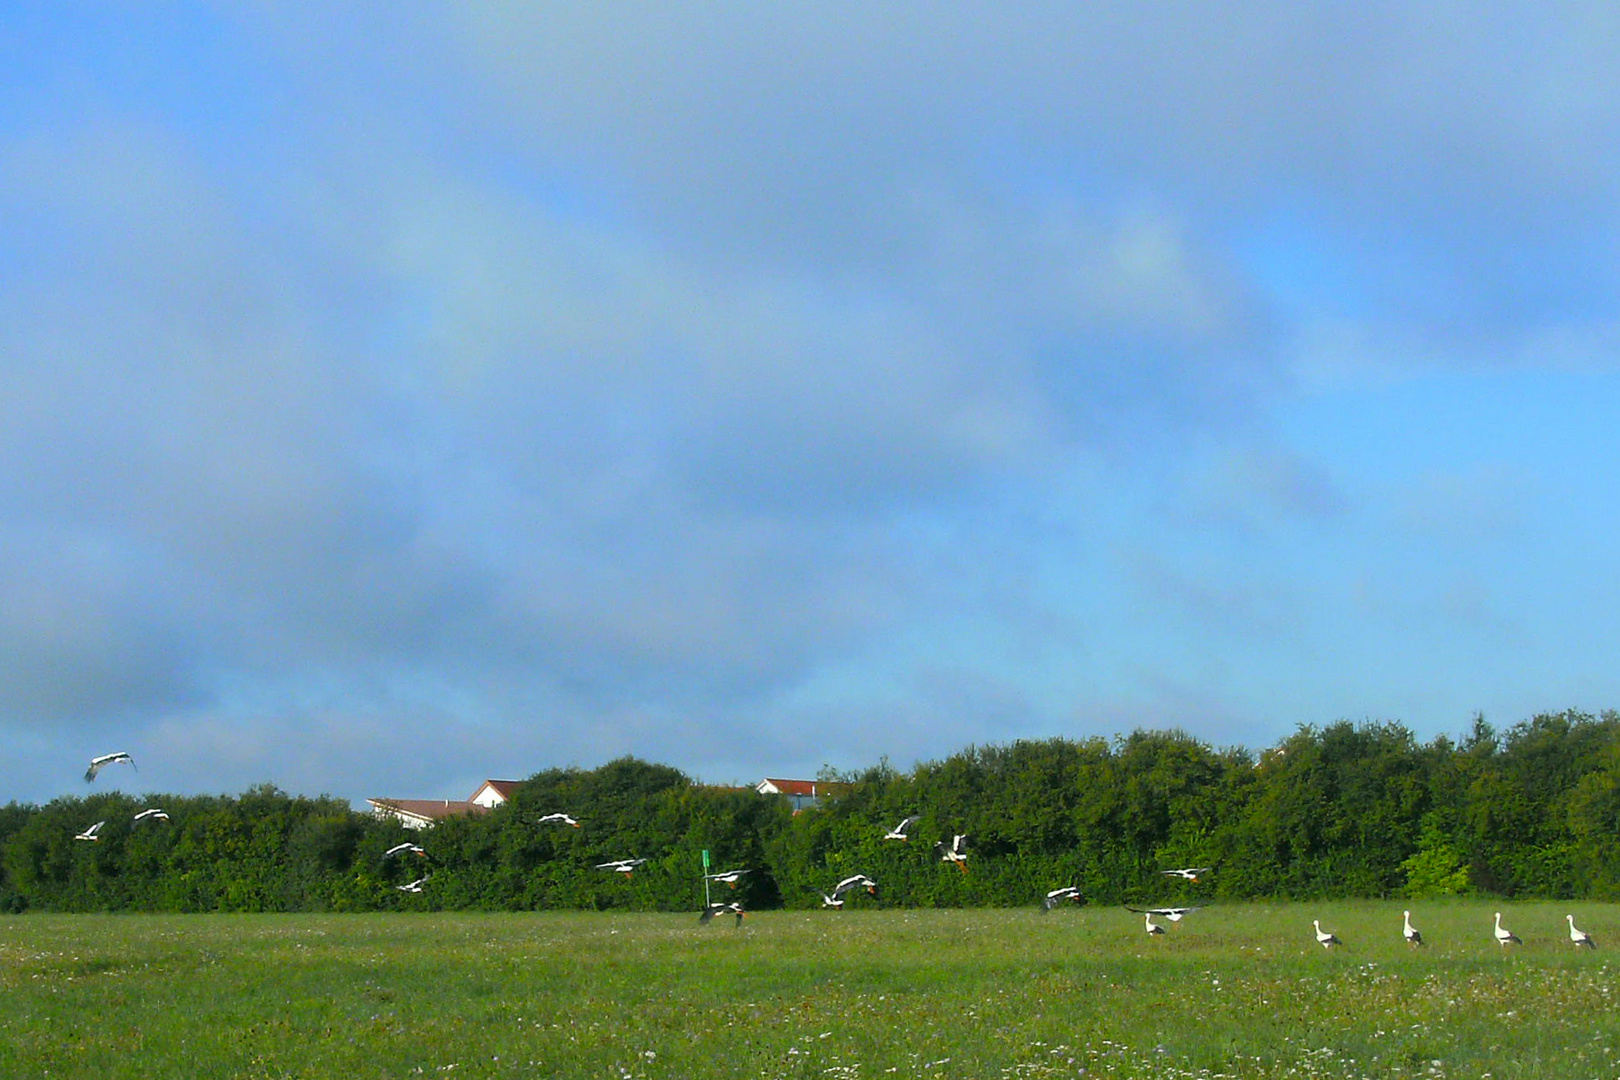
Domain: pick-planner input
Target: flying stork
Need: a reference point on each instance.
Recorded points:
(153, 814)
(954, 852)
(1504, 936)
(1190, 873)
(1580, 938)
(402, 849)
(833, 901)
(1056, 896)
(722, 909)
(855, 881)
(729, 877)
(1174, 914)
(99, 763)
(621, 866)
(899, 831)
(414, 886)
(90, 833)
(558, 819)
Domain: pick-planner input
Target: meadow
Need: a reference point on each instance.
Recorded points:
(1237, 990)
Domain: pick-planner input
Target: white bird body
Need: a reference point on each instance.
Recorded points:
(90, 833)
(1409, 931)
(1324, 938)
(730, 877)
(1174, 914)
(833, 901)
(1504, 936)
(856, 881)
(153, 814)
(954, 852)
(558, 819)
(899, 831)
(1057, 896)
(402, 849)
(1152, 927)
(712, 910)
(1579, 938)
(1190, 873)
(622, 866)
(414, 886)
(99, 763)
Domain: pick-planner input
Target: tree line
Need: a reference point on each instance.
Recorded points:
(1346, 810)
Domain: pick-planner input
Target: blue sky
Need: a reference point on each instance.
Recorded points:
(402, 396)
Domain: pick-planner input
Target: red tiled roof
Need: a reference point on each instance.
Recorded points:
(432, 809)
(504, 787)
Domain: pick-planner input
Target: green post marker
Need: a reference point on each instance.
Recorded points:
(705, 878)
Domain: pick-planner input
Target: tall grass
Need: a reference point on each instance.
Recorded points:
(1240, 991)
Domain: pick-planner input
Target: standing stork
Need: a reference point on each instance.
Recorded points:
(99, 763)
(1579, 938)
(899, 831)
(1153, 928)
(1504, 936)
(954, 852)
(1323, 937)
(1410, 932)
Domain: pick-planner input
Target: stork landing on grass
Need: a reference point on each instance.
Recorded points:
(954, 852)
(722, 909)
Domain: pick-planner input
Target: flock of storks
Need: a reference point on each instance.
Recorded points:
(953, 852)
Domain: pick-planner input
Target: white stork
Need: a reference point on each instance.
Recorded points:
(723, 909)
(404, 849)
(90, 833)
(1409, 931)
(730, 877)
(414, 886)
(1504, 936)
(833, 901)
(1057, 896)
(954, 852)
(899, 831)
(1174, 914)
(153, 814)
(1323, 937)
(1580, 938)
(1190, 873)
(1153, 928)
(558, 819)
(855, 881)
(99, 763)
(621, 866)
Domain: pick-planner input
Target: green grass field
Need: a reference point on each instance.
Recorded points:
(1239, 991)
